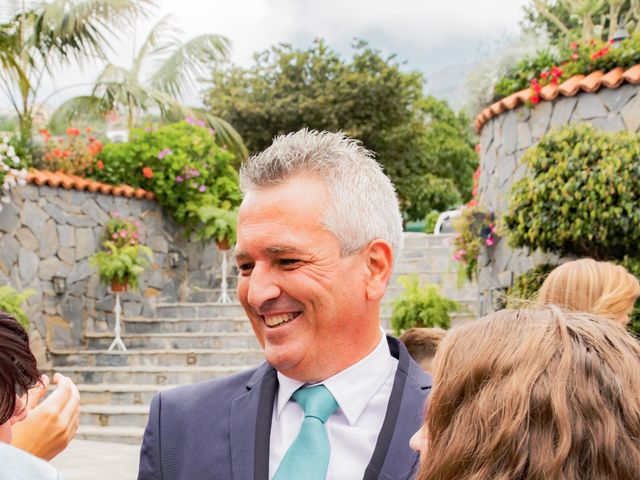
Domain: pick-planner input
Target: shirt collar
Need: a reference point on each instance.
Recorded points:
(352, 388)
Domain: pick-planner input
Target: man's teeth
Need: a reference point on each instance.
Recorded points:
(274, 320)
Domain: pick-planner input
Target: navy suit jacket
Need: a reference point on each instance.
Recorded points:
(220, 429)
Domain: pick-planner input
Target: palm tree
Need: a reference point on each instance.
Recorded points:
(48, 34)
(174, 68)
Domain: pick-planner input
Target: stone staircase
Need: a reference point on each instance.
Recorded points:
(183, 343)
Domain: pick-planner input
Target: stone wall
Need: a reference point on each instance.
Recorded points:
(48, 231)
(503, 140)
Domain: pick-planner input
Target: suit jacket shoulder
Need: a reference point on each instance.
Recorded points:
(189, 428)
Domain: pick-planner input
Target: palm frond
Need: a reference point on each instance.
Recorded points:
(72, 29)
(160, 39)
(74, 108)
(227, 135)
(188, 62)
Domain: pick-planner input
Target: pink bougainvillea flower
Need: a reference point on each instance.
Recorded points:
(123, 233)
(202, 188)
(164, 152)
(490, 241)
(179, 179)
(114, 236)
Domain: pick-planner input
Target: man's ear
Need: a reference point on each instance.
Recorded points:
(379, 266)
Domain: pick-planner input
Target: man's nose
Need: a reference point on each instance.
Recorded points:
(262, 287)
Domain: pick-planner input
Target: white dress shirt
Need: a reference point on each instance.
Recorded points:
(362, 392)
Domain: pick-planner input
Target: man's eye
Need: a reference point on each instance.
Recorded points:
(245, 267)
(288, 261)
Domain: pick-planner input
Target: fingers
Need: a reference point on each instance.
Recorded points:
(35, 394)
(72, 407)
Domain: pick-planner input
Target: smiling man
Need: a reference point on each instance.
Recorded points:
(318, 230)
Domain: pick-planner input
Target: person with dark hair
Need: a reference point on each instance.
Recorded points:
(18, 374)
(534, 394)
(422, 344)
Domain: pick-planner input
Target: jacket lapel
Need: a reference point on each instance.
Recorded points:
(402, 419)
(251, 415)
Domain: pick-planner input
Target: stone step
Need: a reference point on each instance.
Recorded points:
(139, 375)
(188, 325)
(122, 435)
(118, 394)
(198, 310)
(155, 341)
(134, 358)
(114, 415)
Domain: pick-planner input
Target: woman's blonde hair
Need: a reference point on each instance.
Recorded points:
(535, 395)
(601, 288)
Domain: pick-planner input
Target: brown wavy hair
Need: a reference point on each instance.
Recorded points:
(535, 395)
(585, 285)
(18, 368)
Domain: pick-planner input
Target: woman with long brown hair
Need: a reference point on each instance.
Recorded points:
(534, 395)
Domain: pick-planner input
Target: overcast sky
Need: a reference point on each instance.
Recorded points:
(429, 35)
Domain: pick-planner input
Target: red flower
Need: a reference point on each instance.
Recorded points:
(544, 75)
(556, 72)
(573, 45)
(73, 132)
(100, 164)
(535, 99)
(554, 81)
(147, 172)
(56, 152)
(88, 129)
(574, 56)
(66, 153)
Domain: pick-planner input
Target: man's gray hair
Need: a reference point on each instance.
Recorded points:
(362, 200)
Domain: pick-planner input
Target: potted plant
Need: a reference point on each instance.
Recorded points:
(124, 258)
(218, 224)
(421, 306)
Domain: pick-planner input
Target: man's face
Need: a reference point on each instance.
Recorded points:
(307, 305)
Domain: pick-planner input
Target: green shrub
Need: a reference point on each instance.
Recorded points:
(11, 302)
(420, 306)
(430, 221)
(180, 163)
(580, 195)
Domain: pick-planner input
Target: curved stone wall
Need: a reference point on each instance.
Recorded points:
(47, 231)
(503, 140)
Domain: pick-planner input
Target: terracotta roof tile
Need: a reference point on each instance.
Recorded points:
(592, 82)
(632, 75)
(570, 87)
(549, 92)
(68, 182)
(497, 108)
(613, 79)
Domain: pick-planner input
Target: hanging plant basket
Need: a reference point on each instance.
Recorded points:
(117, 287)
(223, 244)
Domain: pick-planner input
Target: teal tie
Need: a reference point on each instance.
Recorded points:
(308, 455)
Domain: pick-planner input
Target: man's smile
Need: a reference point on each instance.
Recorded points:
(276, 320)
